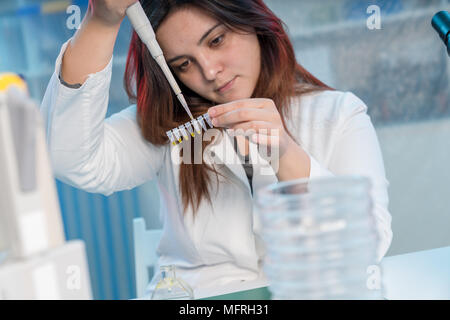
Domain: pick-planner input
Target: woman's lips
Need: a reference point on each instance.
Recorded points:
(227, 86)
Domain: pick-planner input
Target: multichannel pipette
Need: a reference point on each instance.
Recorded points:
(144, 30)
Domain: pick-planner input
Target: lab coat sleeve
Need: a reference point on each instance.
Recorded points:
(316, 169)
(357, 152)
(87, 151)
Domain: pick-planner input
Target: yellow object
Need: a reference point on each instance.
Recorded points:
(11, 79)
(55, 6)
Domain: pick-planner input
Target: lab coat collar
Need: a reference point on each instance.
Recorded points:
(223, 152)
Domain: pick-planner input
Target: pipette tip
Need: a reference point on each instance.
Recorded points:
(184, 104)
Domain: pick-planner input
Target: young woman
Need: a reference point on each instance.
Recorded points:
(234, 60)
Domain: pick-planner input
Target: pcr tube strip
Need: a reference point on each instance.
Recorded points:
(176, 135)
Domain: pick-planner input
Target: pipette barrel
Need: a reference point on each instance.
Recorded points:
(144, 30)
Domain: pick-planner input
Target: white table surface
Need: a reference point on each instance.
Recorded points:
(420, 275)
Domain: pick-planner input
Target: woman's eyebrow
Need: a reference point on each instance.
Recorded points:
(207, 33)
(199, 42)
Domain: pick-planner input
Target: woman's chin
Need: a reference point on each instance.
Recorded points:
(230, 97)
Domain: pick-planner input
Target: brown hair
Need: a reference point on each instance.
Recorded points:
(158, 109)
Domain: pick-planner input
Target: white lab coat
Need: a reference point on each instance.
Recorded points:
(222, 245)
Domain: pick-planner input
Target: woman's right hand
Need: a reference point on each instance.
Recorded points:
(109, 12)
(92, 46)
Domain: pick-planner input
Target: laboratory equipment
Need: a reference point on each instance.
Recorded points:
(144, 30)
(171, 287)
(441, 23)
(320, 237)
(36, 262)
(28, 201)
(185, 130)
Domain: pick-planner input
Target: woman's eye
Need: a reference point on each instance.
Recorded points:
(217, 40)
(183, 66)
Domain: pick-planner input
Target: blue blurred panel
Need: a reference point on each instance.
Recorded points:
(105, 224)
(30, 40)
(356, 9)
(31, 9)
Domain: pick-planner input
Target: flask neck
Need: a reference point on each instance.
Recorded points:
(168, 272)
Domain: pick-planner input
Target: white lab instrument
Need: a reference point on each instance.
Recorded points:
(57, 274)
(36, 262)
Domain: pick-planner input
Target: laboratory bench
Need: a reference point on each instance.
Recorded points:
(421, 275)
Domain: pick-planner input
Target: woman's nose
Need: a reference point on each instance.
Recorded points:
(210, 67)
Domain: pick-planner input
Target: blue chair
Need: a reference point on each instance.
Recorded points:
(145, 245)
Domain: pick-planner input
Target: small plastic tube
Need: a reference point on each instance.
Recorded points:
(171, 137)
(188, 126)
(184, 132)
(208, 120)
(196, 126)
(202, 122)
(176, 132)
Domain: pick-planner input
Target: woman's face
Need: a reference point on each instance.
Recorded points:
(215, 62)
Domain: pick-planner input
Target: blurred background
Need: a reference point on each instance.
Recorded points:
(401, 71)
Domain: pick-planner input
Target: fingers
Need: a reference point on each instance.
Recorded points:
(257, 118)
(259, 132)
(228, 119)
(255, 126)
(245, 103)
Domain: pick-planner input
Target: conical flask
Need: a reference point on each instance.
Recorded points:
(169, 287)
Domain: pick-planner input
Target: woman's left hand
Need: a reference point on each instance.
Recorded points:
(257, 117)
